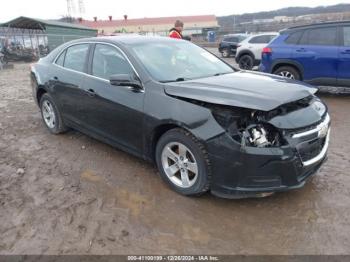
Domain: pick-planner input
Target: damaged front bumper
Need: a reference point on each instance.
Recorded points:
(258, 172)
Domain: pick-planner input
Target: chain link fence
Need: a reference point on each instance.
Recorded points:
(16, 46)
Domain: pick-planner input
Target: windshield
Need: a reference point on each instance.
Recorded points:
(169, 61)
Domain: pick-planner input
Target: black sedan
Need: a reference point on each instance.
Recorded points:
(229, 44)
(207, 126)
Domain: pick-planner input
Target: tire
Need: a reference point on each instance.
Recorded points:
(226, 53)
(3, 60)
(194, 159)
(51, 115)
(246, 62)
(288, 72)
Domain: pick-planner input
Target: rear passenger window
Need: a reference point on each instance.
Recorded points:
(271, 37)
(294, 38)
(231, 39)
(262, 39)
(346, 31)
(320, 36)
(76, 57)
(60, 59)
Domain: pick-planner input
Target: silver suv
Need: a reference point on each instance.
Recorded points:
(249, 50)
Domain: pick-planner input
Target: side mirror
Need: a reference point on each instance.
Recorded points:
(125, 80)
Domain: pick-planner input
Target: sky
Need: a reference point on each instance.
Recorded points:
(52, 9)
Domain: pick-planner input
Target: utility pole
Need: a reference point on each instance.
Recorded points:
(81, 6)
(234, 23)
(70, 8)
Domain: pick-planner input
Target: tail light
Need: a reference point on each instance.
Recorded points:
(267, 50)
(239, 46)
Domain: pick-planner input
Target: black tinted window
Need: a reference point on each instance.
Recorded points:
(320, 36)
(76, 56)
(346, 31)
(232, 39)
(294, 38)
(60, 59)
(109, 61)
(262, 39)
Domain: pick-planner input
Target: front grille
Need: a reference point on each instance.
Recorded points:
(312, 144)
(311, 149)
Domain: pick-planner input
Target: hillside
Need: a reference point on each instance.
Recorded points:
(228, 21)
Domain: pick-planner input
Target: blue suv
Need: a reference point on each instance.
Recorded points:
(318, 54)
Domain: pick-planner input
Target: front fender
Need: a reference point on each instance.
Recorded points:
(244, 52)
(171, 110)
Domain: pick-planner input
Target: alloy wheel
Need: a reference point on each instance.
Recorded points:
(245, 63)
(179, 165)
(48, 114)
(225, 53)
(286, 74)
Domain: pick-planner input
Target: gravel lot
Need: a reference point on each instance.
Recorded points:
(70, 194)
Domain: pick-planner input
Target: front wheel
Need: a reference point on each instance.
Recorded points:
(288, 72)
(183, 162)
(3, 60)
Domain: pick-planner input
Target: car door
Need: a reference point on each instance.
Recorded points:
(317, 52)
(113, 112)
(344, 58)
(67, 81)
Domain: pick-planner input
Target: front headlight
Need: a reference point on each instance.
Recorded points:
(247, 128)
(262, 135)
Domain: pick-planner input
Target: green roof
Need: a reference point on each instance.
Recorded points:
(34, 23)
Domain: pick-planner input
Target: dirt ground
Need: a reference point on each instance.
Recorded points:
(70, 194)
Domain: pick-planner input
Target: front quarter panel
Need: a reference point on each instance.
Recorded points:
(162, 109)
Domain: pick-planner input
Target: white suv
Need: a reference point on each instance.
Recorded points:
(249, 50)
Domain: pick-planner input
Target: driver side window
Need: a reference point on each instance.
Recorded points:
(109, 61)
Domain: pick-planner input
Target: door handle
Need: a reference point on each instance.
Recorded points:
(90, 92)
(301, 50)
(346, 52)
(55, 78)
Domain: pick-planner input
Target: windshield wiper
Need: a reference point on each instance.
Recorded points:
(180, 79)
(219, 74)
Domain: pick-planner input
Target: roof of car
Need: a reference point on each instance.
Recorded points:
(260, 34)
(239, 34)
(130, 39)
(321, 24)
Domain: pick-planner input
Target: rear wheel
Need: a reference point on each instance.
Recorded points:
(288, 72)
(246, 62)
(183, 162)
(226, 53)
(51, 116)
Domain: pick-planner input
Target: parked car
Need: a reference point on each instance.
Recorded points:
(205, 125)
(229, 43)
(249, 50)
(318, 54)
(3, 42)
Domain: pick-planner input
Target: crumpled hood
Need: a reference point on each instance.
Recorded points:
(251, 90)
